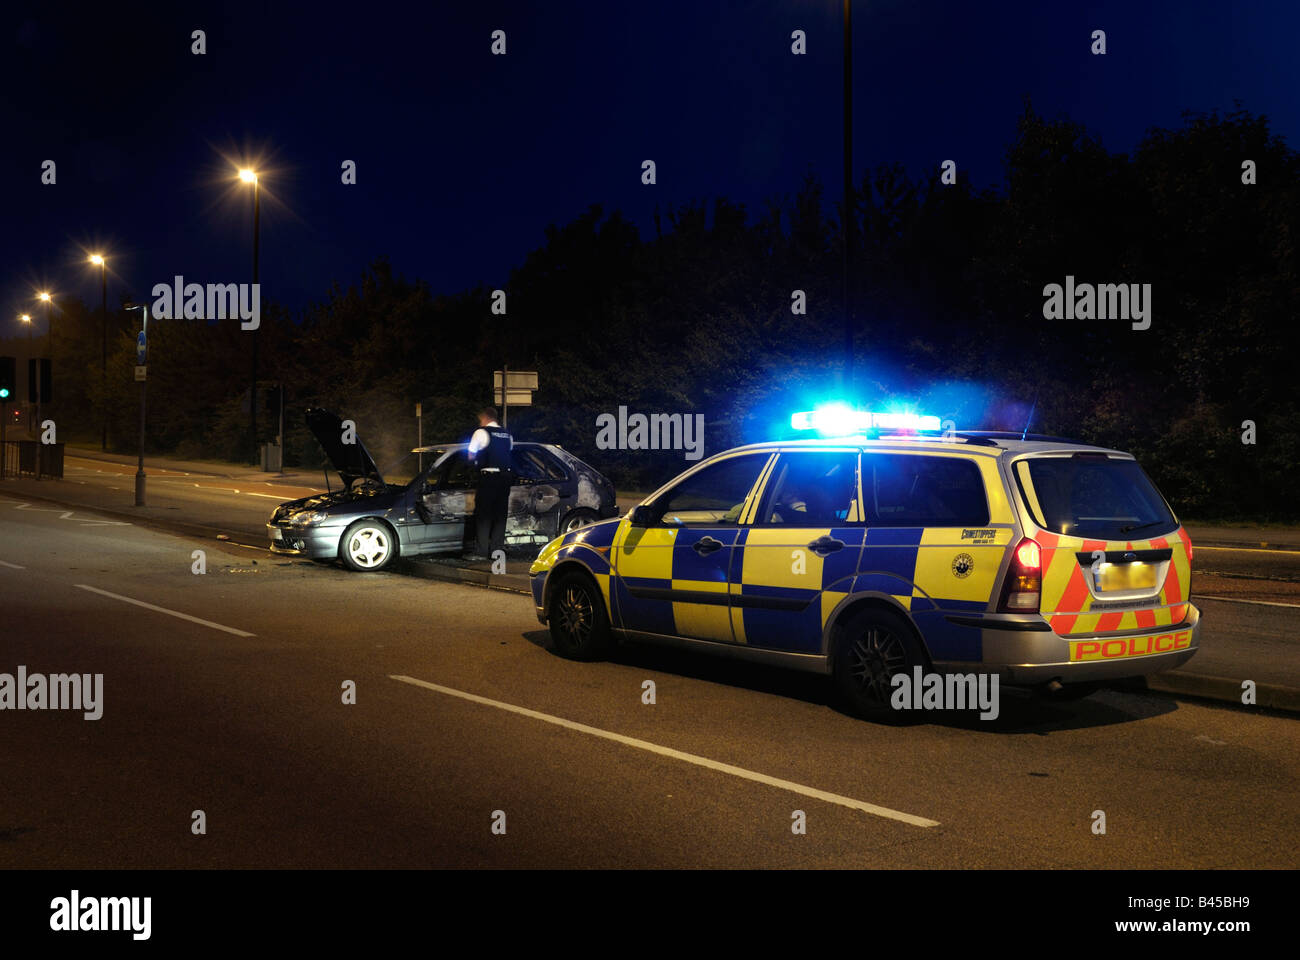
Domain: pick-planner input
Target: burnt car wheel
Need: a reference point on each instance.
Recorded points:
(367, 545)
(576, 520)
(873, 647)
(578, 621)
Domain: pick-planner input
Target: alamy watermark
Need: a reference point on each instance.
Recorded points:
(1102, 301)
(58, 691)
(215, 301)
(953, 691)
(657, 431)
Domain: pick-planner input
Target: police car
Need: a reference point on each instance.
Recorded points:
(1054, 564)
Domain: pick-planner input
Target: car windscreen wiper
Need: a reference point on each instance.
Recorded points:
(1140, 526)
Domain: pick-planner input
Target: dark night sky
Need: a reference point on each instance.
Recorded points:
(464, 158)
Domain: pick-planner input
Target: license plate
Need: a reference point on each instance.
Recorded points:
(276, 534)
(1125, 576)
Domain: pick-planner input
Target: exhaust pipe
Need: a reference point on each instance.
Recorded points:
(1055, 686)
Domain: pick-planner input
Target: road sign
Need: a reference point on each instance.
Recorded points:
(417, 409)
(513, 397)
(139, 352)
(140, 372)
(515, 380)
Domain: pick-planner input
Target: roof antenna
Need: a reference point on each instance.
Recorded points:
(1030, 418)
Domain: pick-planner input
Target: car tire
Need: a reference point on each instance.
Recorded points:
(368, 546)
(577, 618)
(872, 647)
(576, 520)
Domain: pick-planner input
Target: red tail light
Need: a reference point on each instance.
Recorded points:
(1024, 584)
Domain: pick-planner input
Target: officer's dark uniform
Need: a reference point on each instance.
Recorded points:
(492, 496)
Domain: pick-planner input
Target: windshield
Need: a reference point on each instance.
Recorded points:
(1094, 497)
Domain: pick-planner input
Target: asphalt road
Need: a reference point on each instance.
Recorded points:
(1250, 596)
(238, 713)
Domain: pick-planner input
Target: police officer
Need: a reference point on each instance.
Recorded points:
(489, 451)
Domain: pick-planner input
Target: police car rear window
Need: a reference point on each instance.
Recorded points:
(905, 490)
(1093, 497)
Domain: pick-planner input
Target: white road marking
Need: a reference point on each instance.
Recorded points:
(1258, 603)
(172, 613)
(679, 755)
(5, 563)
(1199, 548)
(68, 515)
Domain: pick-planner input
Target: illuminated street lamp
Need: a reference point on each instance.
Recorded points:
(248, 175)
(26, 318)
(99, 261)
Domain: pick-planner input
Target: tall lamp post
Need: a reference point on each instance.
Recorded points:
(99, 261)
(31, 352)
(848, 193)
(248, 175)
(42, 388)
(141, 358)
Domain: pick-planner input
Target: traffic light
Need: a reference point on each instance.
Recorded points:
(8, 380)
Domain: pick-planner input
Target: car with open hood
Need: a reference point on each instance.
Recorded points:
(368, 522)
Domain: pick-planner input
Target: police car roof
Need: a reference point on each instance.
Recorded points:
(988, 443)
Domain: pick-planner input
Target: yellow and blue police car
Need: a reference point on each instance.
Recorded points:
(1053, 564)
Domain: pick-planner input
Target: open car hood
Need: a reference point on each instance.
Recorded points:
(351, 460)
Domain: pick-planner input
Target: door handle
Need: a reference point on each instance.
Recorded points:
(824, 546)
(707, 545)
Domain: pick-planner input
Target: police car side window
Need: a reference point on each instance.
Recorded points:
(811, 489)
(713, 496)
(906, 490)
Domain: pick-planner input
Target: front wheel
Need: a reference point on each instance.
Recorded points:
(576, 520)
(577, 618)
(873, 647)
(367, 545)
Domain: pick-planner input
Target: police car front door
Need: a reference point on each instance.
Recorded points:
(800, 555)
(672, 577)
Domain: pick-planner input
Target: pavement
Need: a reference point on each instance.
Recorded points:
(316, 718)
(1246, 578)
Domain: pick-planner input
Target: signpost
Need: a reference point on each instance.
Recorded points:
(513, 386)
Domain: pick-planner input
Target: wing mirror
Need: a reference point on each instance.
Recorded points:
(642, 516)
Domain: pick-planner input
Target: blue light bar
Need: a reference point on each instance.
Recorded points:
(839, 420)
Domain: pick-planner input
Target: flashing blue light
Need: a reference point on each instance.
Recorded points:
(840, 420)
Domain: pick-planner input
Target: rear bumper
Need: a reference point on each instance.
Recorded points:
(1031, 657)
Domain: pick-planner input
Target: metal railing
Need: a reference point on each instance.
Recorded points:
(31, 459)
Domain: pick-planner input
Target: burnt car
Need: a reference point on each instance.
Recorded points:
(368, 523)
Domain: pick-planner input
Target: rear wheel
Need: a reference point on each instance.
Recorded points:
(577, 618)
(368, 545)
(873, 647)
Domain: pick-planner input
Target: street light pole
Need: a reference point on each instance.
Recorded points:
(98, 260)
(33, 367)
(49, 337)
(250, 176)
(144, 357)
(103, 355)
(848, 193)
